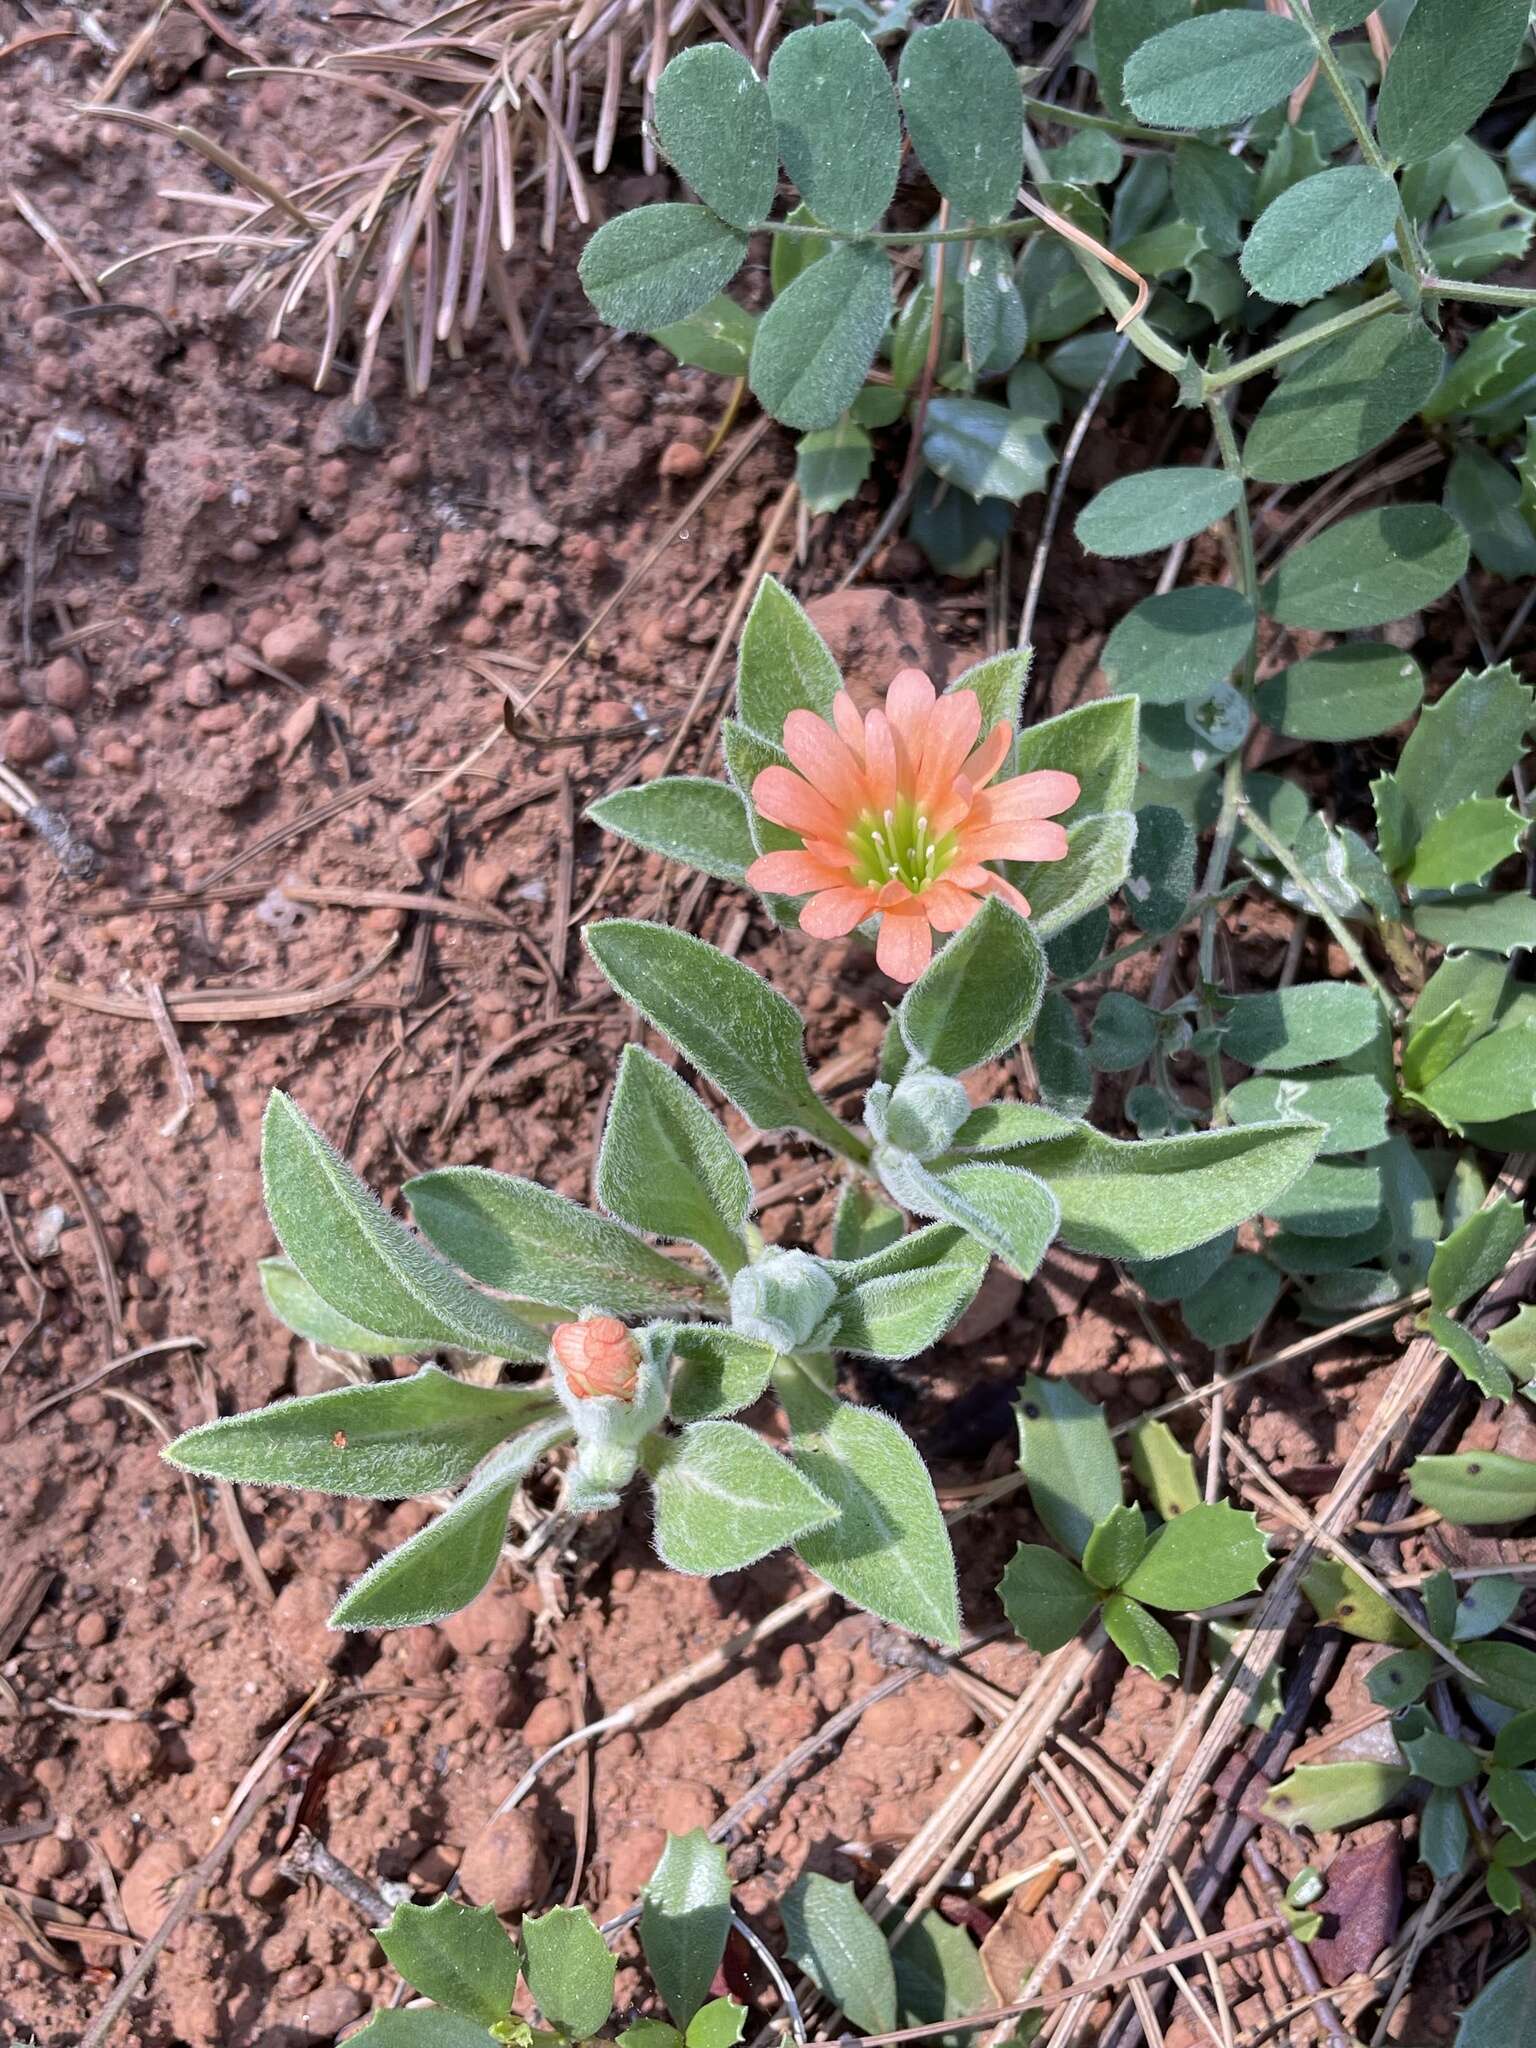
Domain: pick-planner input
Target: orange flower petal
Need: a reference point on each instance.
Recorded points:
(994, 885)
(949, 909)
(952, 731)
(1041, 794)
(890, 894)
(845, 716)
(1033, 839)
(789, 800)
(909, 702)
(835, 912)
(824, 760)
(881, 767)
(989, 756)
(905, 943)
(793, 874)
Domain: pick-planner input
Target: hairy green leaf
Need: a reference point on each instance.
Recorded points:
(570, 1969)
(1167, 649)
(965, 115)
(647, 269)
(1349, 692)
(1216, 69)
(715, 125)
(666, 1165)
(724, 1499)
(294, 1302)
(1343, 400)
(814, 345)
(1448, 62)
(839, 128)
(687, 818)
(1145, 513)
(1366, 570)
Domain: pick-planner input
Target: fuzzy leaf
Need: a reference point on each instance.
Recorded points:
(1045, 1597)
(385, 1440)
(715, 126)
(738, 1032)
(423, 2029)
(888, 1551)
(1447, 63)
(1216, 69)
(294, 1302)
(649, 268)
(839, 128)
(570, 1969)
(686, 818)
(978, 997)
(1004, 1208)
(685, 1920)
(717, 1372)
(965, 115)
(525, 1239)
(666, 1165)
(443, 1566)
(895, 1302)
(1150, 1199)
(724, 1499)
(865, 1223)
(1319, 234)
(1495, 1077)
(815, 344)
(783, 665)
(1353, 1107)
(361, 1261)
(831, 464)
(843, 1952)
(1343, 400)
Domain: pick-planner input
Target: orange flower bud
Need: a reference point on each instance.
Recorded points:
(598, 1357)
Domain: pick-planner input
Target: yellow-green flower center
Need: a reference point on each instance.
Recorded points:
(899, 846)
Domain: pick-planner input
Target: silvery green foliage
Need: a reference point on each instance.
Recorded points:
(922, 1115)
(782, 1301)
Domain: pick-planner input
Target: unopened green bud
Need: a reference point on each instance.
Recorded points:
(924, 1111)
(783, 1300)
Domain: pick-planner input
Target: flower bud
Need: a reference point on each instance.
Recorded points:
(782, 1300)
(598, 1358)
(922, 1113)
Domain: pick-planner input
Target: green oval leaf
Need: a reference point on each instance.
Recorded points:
(649, 268)
(687, 818)
(715, 125)
(1344, 693)
(838, 124)
(525, 1239)
(1448, 62)
(666, 1165)
(294, 1302)
(1343, 400)
(724, 1499)
(843, 1952)
(1234, 1301)
(783, 664)
(737, 1031)
(1045, 1597)
(1141, 514)
(895, 1302)
(387, 1440)
(888, 1551)
(831, 465)
(978, 997)
(685, 1920)
(718, 337)
(570, 1969)
(1377, 566)
(1069, 1459)
(1327, 1796)
(1207, 1556)
(1172, 647)
(1476, 1489)
(717, 1372)
(815, 343)
(363, 1262)
(1319, 234)
(1116, 1547)
(1217, 69)
(965, 114)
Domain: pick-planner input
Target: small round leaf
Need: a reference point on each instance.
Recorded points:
(1319, 234)
(715, 125)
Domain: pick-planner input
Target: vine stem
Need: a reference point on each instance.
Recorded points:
(1320, 908)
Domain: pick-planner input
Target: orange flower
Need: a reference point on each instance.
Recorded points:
(894, 816)
(599, 1357)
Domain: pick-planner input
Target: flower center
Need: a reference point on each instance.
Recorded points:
(899, 846)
